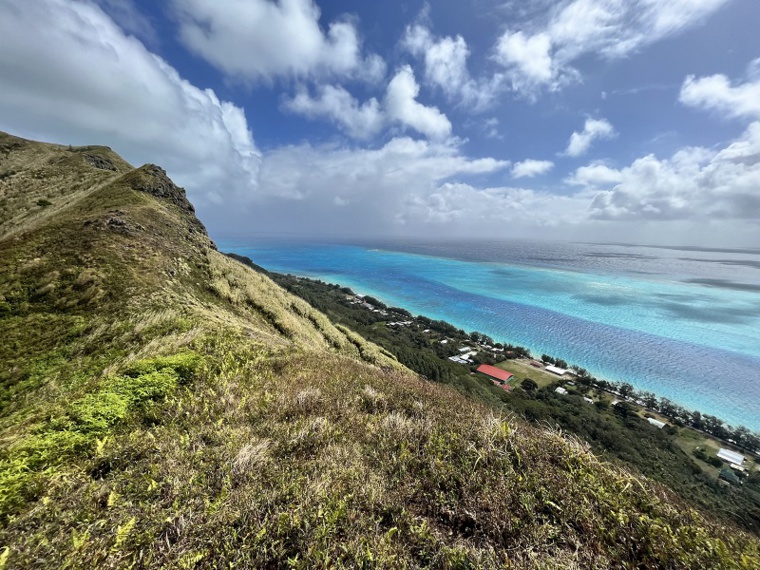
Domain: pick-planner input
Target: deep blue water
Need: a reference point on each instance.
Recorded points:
(683, 323)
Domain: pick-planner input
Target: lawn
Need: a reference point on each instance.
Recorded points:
(522, 369)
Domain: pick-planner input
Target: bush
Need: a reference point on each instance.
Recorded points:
(185, 364)
(98, 412)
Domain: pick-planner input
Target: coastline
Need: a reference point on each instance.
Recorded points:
(678, 414)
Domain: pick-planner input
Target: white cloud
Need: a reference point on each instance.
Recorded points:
(491, 128)
(264, 39)
(401, 105)
(71, 75)
(362, 121)
(540, 53)
(445, 62)
(396, 168)
(372, 187)
(528, 59)
(415, 187)
(595, 175)
(530, 168)
(694, 184)
(717, 94)
(594, 129)
(358, 121)
(464, 209)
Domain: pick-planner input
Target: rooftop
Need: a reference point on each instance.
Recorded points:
(494, 372)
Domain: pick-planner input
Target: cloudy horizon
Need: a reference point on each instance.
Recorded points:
(569, 119)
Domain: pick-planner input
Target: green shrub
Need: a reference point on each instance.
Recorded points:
(86, 420)
(185, 364)
(96, 413)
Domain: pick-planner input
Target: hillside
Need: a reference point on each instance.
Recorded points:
(162, 405)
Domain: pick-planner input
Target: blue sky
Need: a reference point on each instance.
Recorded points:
(625, 120)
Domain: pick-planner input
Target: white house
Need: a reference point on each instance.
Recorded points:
(656, 423)
(730, 456)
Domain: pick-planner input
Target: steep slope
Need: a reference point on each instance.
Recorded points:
(162, 405)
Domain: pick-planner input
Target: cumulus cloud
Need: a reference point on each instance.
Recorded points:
(528, 58)
(362, 121)
(540, 53)
(402, 106)
(261, 40)
(530, 168)
(716, 93)
(334, 102)
(445, 65)
(594, 129)
(71, 75)
(694, 184)
(595, 175)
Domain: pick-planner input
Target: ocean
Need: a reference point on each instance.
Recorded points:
(682, 322)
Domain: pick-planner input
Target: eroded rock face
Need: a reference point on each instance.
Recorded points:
(153, 180)
(99, 162)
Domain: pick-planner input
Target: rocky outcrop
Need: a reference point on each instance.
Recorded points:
(153, 180)
(99, 162)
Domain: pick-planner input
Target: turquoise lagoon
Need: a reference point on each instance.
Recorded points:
(681, 322)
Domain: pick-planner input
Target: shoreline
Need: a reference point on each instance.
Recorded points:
(676, 413)
(535, 351)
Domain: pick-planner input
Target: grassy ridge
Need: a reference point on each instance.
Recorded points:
(165, 406)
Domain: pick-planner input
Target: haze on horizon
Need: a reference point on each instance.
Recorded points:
(599, 120)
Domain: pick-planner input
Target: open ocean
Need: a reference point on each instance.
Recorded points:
(683, 323)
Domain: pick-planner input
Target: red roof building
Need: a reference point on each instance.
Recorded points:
(495, 373)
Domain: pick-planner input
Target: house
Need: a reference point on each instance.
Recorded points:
(730, 456)
(495, 373)
(556, 370)
(656, 423)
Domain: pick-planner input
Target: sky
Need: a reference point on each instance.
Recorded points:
(600, 120)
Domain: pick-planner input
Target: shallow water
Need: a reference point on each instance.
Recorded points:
(683, 323)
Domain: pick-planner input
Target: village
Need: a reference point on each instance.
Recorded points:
(509, 367)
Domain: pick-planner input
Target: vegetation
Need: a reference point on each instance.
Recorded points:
(166, 407)
(618, 433)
